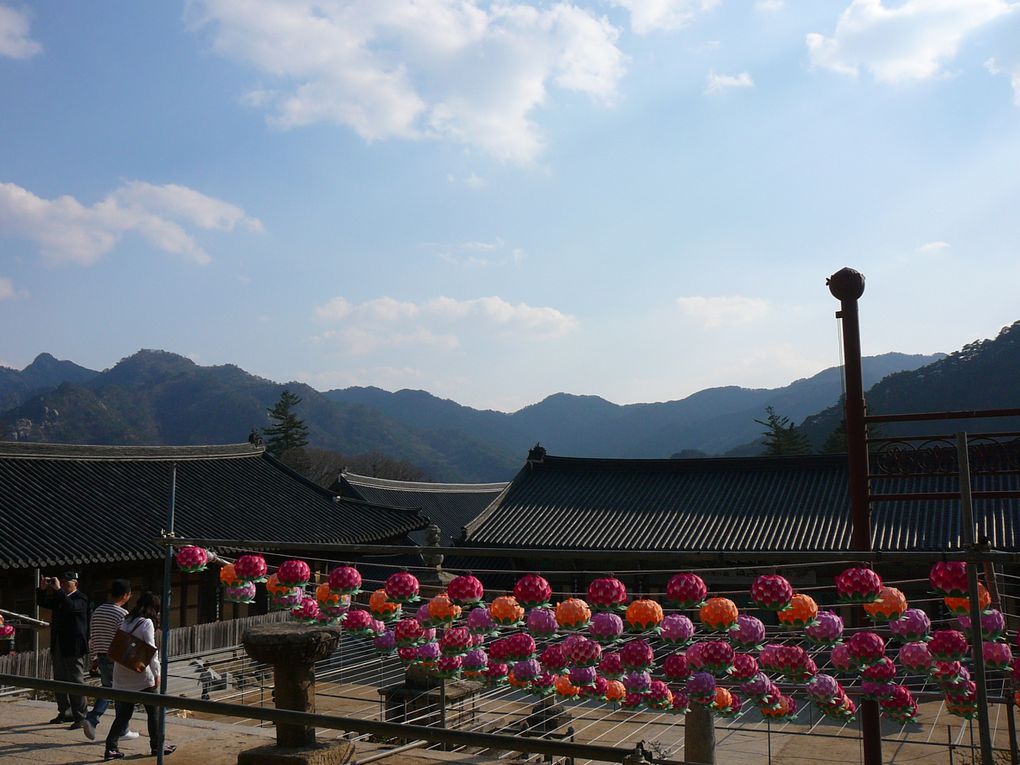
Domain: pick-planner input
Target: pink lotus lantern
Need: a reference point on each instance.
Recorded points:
(541, 622)
(771, 657)
(572, 614)
(915, 657)
(948, 645)
(866, 648)
(771, 592)
(659, 695)
(858, 585)
(532, 591)
(637, 655)
(681, 701)
(912, 626)
(605, 627)
(676, 629)
(899, 705)
(293, 573)
(555, 658)
(843, 661)
(520, 646)
(637, 681)
(345, 580)
(240, 593)
(611, 665)
(823, 688)
(949, 673)
(465, 590)
(429, 653)
(192, 559)
(827, 629)
(949, 578)
(408, 632)
(748, 632)
(715, 656)
(745, 666)
(402, 587)
(701, 689)
(495, 674)
(632, 701)
(456, 641)
(583, 676)
(307, 612)
(253, 568)
(998, 656)
(448, 667)
(608, 594)
(474, 664)
(758, 686)
(408, 655)
(358, 622)
(644, 615)
(676, 668)
(7, 632)
(385, 643)
(422, 615)
(479, 622)
(585, 653)
(993, 624)
(686, 590)
(796, 665)
(378, 627)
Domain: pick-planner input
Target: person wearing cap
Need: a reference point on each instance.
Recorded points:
(69, 640)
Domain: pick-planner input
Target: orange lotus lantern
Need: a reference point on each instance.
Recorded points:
(274, 587)
(801, 612)
(382, 607)
(644, 615)
(719, 613)
(962, 605)
(566, 688)
(890, 605)
(723, 699)
(324, 595)
(514, 682)
(617, 692)
(443, 610)
(506, 611)
(229, 577)
(572, 613)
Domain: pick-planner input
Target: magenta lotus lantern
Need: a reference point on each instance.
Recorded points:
(912, 627)
(495, 674)
(998, 656)
(867, 648)
(858, 585)
(632, 701)
(465, 590)
(900, 705)
(607, 594)
(402, 587)
(545, 684)
(520, 646)
(771, 592)
(479, 622)
(748, 632)
(686, 590)
(681, 701)
(949, 578)
(843, 661)
(826, 631)
(882, 671)
(948, 645)
(611, 665)
(385, 643)
(474, 664)
(358, 622)
(532, 591)
(637, 655)
(659, 695)
(715, 656)
(637, 681)
(345, 580)
(993, 624)
(253, 568)
(240, 593)
(585, 653)
(408, 632)
(555, 658)
(456, 641)
(949, 673)
(676, 668)
(307, 611)
(449, 667)
(605, 627)
(676, 629)
(294, 573)
(745, 666)
(193, 559)
(916, 658)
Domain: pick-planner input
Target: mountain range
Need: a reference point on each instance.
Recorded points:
(157, 397)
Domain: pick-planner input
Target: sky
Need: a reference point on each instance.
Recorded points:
(496, 201)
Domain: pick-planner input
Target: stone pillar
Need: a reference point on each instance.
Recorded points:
(699, 736)
(292, 649)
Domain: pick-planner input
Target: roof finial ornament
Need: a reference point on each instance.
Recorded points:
(536, 453)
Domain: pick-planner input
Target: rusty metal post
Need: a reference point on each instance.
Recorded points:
(847, 286)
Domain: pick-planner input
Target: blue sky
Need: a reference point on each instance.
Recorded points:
(497, 201)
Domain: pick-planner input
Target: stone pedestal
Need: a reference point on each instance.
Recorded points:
(699, 736)
(292, 649)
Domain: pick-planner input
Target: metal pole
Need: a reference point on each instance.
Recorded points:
(968, 538)
(35, 633)
(1014, 750)
(847, 286)
(164, 655)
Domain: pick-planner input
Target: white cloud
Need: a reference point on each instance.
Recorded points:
(908, 41)
(724, 310)
(68, 231)
(431, 69)
(14, 39)
(934, 247)
(769, 6)
(655, 15)
(478, 254)
(386, 322)
(1013, 73)
(6, 288)
(720, 83)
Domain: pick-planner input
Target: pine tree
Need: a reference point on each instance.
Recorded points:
(288, 432)
(781, 436)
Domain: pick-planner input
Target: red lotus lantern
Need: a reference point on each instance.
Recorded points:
(865, 648)
(676, 668)
(192, 559)
(345, 580)
(295, 573)
(948, 645)
(402, 587)
(572, 614)
(949, 578)
(637, 655)
(719, 613)
(771, 592)
(858, 585)
(608, 594)
(251, 568)
(532, 591)
(408, 632)
(686, 590)
(465, 590)
(644, 615)
(891, 604)
(802, 611)
(456, 641)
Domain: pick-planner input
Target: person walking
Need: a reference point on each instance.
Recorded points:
(140, 622)
(105, 622)
(69, 640)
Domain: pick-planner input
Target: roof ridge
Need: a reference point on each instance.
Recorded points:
(356, 479)
(56, 451)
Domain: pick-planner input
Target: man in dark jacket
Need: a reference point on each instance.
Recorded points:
(69, 640)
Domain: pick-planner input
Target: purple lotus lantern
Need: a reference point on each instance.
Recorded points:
(913, 626)
(583, 676)
(243, 593)
(605, 627)
(827, 629)
(823, 688)
(637, 681)
(479, 621)
(385, 643)
(676, 629)
(993, 624)
(701, 688)
(748, 632)
(757, 686)
(474, 664)
(541, 622)
(527, 670)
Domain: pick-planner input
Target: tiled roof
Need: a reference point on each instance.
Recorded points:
(726, 504)
(62, 505)
(451, 506)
